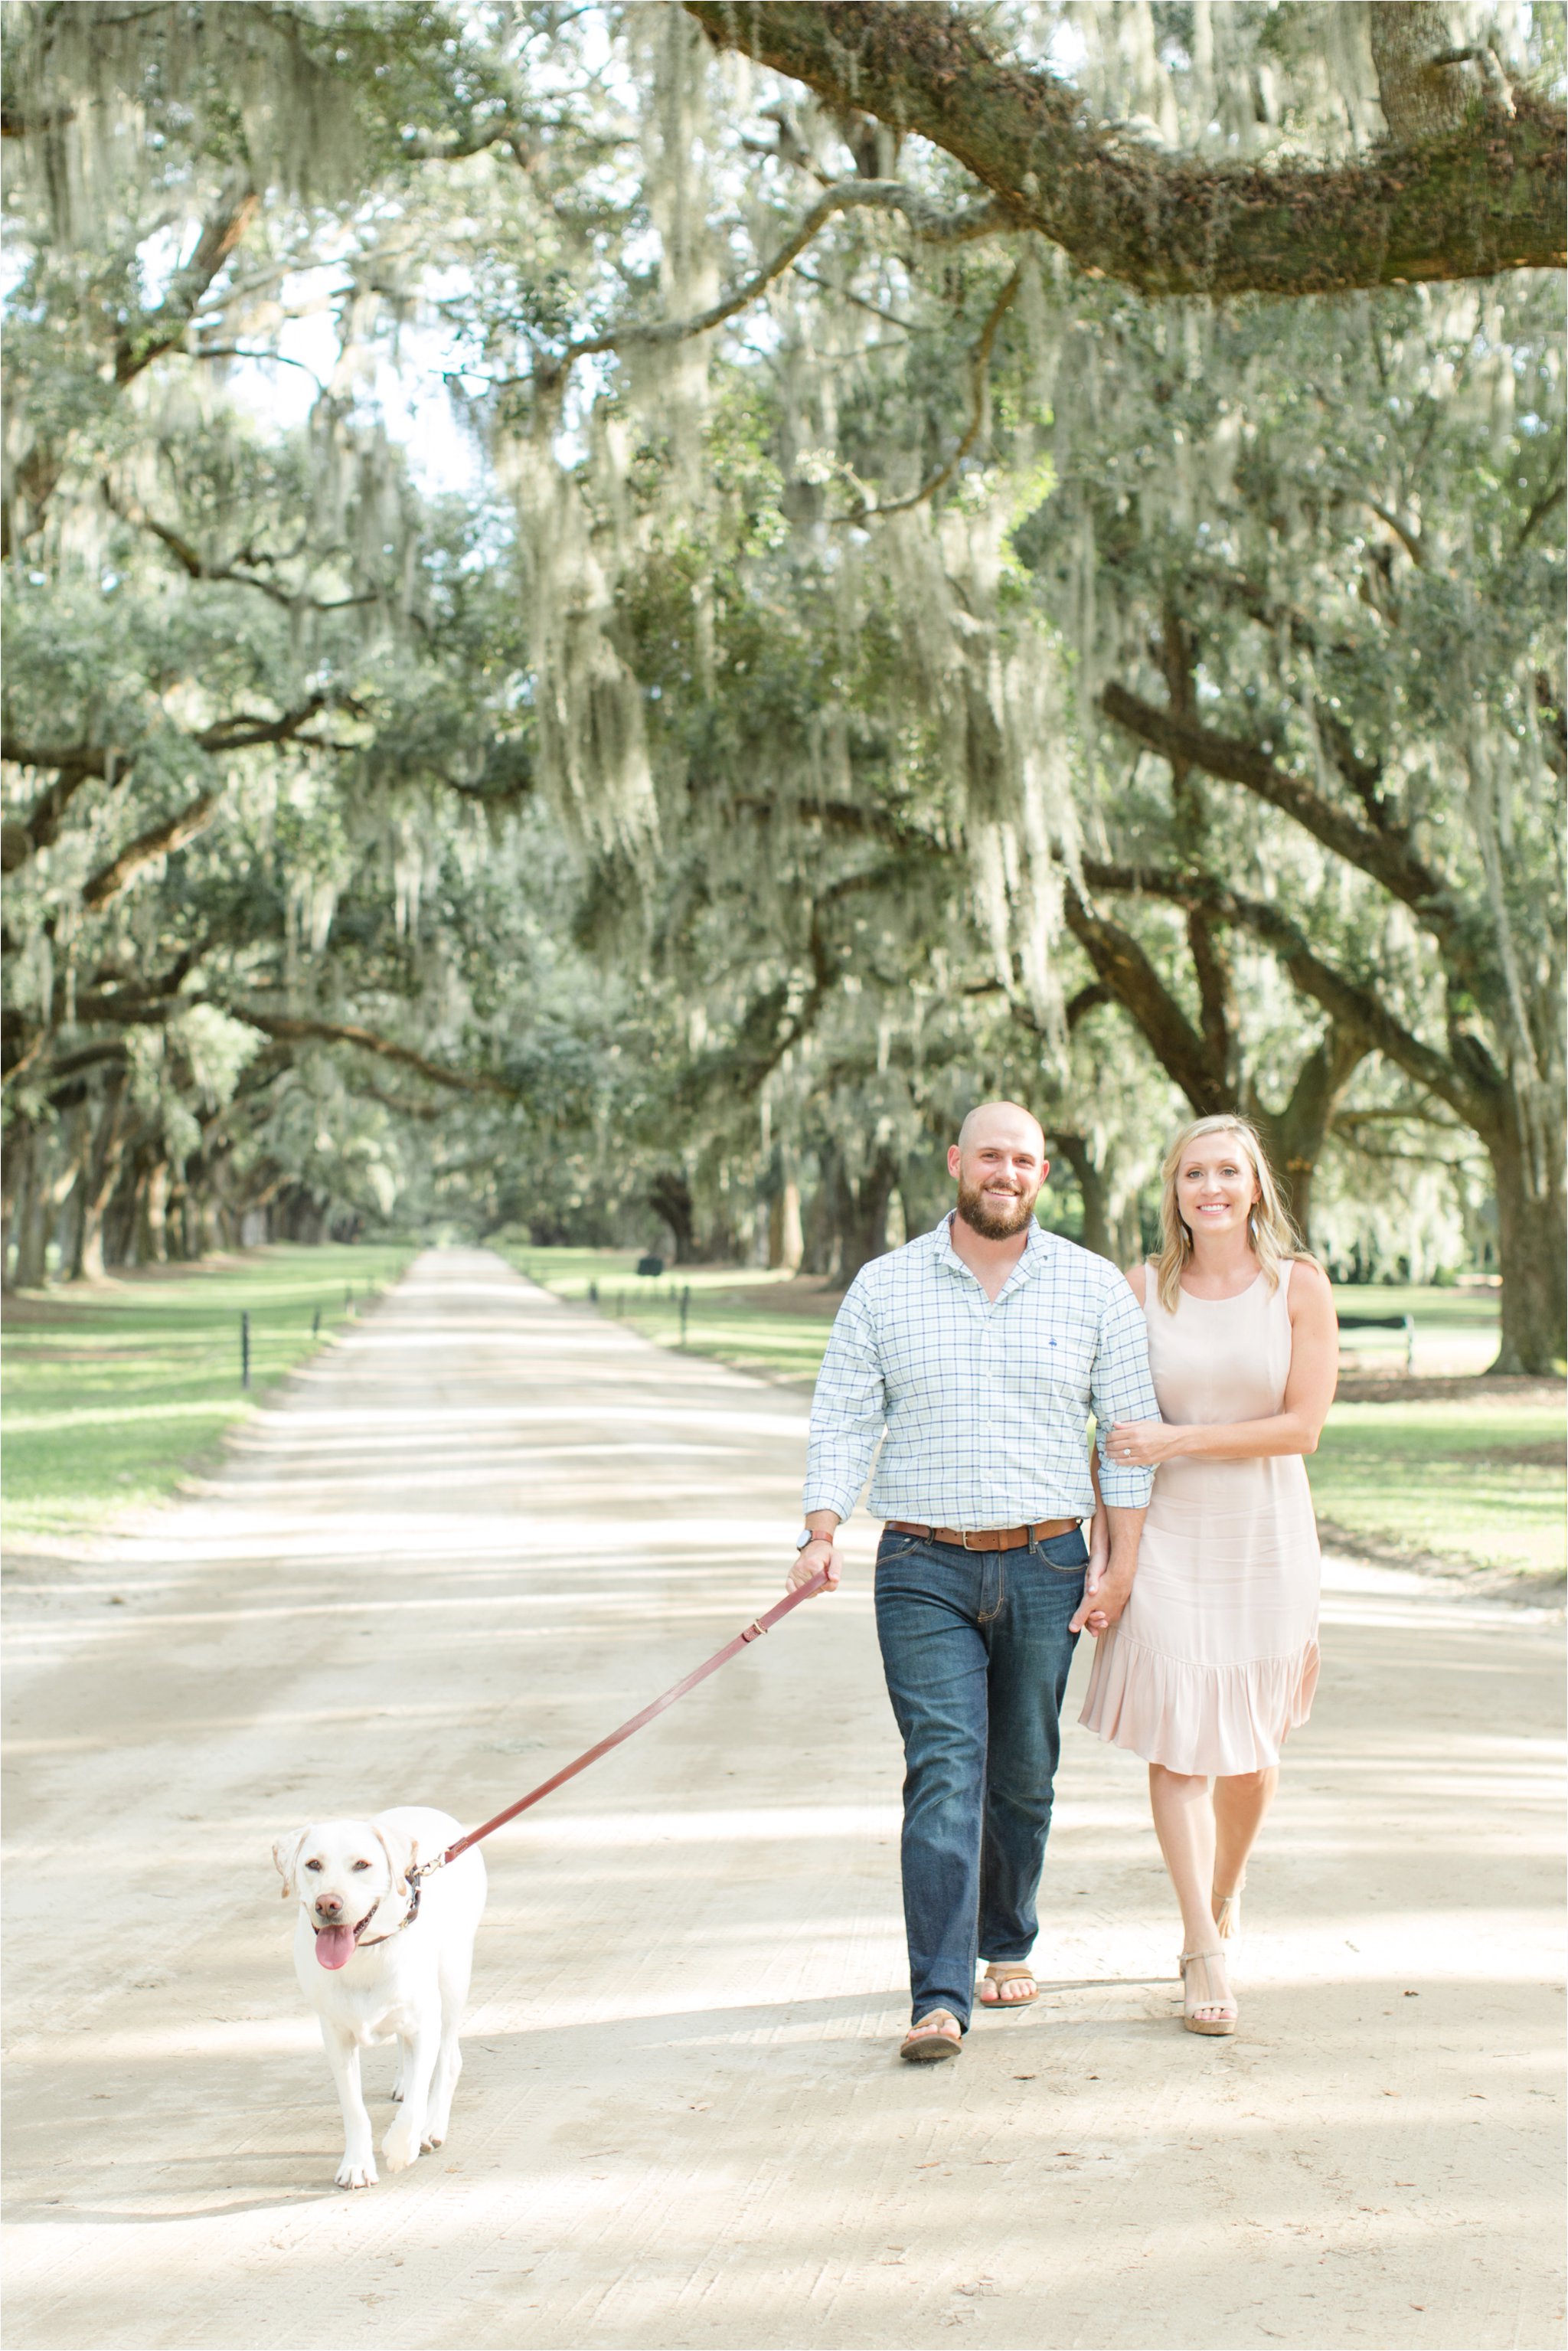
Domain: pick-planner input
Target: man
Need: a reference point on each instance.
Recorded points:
(980, 1350)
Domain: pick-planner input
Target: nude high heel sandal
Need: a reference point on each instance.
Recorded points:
(1221, 2023)
(1228, 1911)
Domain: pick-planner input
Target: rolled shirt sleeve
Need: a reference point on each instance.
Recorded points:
(1122, 1388)
(849, 1409)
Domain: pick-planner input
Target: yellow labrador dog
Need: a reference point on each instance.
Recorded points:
(376, 1958)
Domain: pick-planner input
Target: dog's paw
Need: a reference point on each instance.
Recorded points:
(350, 2174)
(435, 2136)
(400, 2147)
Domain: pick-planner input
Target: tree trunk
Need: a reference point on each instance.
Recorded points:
(123, 1208)
(786, 1244)
(29, 1215)
(98, 1180)
(72, 1192)
(176, 1219)
(1419, 100)
(298, 1215)
(1092, 1190)
(1294, 1137)
(670, 1197)
(862, 1230)
(1532, 1247)
(13, 1188)
(151, 1204)
(825, 1217)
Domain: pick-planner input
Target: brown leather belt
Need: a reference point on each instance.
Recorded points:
(987, 1538)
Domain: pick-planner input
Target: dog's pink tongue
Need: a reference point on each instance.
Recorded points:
(334, 1946)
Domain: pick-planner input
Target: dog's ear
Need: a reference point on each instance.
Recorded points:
(285, 1853)
(401, 1852)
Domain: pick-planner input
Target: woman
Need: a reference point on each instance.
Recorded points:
(1214, 1657)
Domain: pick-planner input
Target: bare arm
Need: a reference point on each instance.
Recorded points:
(1104, 1602)
(1099, 1530)
(1309, 1391)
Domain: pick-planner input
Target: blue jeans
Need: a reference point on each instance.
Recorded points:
(976, 1648)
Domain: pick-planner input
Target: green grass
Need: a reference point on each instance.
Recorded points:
(1455, 1329)
(115, 1393)
(1477, 1481)
(1482, 1481)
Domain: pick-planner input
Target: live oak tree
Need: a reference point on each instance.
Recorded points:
(1328, 559)
(1504, 720)
(257, 724)
(1141, 573)
(815, 596)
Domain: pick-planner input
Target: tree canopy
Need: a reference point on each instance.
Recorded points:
(604, 626)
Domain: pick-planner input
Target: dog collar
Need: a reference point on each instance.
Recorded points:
(410, 1914)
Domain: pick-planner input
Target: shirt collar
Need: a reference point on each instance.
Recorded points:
(1036, 1249)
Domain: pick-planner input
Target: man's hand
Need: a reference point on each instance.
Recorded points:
(813, 1557)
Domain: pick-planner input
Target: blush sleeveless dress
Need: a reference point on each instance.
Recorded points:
(1214, 1657)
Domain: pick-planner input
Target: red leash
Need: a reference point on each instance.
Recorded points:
(700, 1673)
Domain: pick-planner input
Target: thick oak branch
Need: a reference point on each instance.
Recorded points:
(289, 1030)
(196, 565)
(1465, 202)
(1384, 853)
(76, 764)
(146, 337)
(21, 838)
(1126, 974)
(158, 840)
(1350, 1002)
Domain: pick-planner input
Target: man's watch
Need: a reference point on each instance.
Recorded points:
(810, 1535)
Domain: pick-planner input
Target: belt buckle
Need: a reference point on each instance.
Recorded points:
(967, 1531)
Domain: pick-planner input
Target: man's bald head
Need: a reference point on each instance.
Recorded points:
(1006, 1117)
(1000, 1164)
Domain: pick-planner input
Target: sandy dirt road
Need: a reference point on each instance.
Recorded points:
(470, 1538)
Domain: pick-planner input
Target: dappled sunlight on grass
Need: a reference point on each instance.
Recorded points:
(1484, 1479)
(146, 1370)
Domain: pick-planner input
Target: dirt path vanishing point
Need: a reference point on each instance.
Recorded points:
(472, 1537)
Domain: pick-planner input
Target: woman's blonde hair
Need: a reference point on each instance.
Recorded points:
(1273, 1236)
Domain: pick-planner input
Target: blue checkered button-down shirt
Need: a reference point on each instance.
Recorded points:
(984, 1405)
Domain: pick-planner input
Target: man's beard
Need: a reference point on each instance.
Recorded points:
(995, 1224)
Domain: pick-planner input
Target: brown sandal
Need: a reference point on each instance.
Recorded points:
(1001, 1972)
(926, 2044)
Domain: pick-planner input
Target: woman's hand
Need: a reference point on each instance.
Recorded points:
(1143, 1444)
